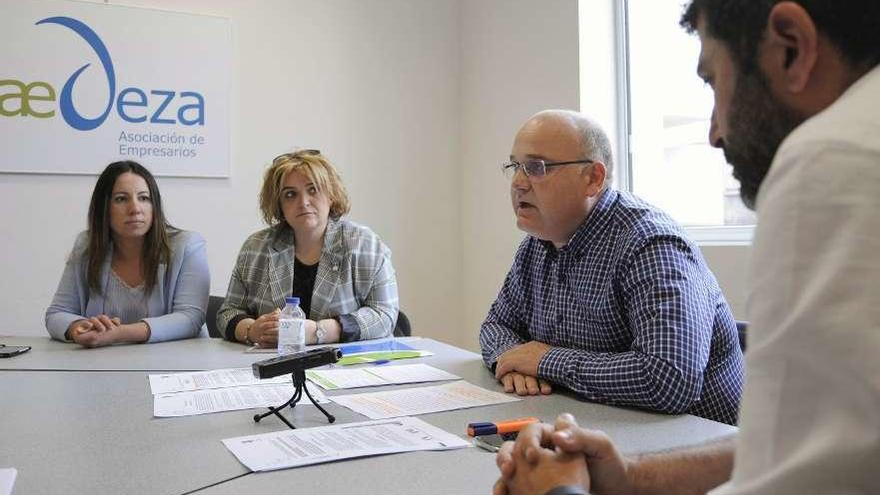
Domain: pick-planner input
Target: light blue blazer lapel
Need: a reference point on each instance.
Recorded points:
(280, 269)
(156, 304)
(98, 302)
(329, 271)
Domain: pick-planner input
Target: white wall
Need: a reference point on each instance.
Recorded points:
(416, 101)
(518, 57)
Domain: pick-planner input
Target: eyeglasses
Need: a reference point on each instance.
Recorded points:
(295, 154)
(535, 168)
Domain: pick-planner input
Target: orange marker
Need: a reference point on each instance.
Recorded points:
(500, 427)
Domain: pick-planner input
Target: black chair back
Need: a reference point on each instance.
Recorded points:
(741, 327)
(402, 328)
(214, 303)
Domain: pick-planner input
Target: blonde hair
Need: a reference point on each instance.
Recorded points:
(312, 164)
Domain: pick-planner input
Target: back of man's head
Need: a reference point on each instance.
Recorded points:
(595, 144)
(852, 26)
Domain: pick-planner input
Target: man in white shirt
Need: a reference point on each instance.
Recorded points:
(797, 112)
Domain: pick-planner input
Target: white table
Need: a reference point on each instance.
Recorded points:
(93, 432)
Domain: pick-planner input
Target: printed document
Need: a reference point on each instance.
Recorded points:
(413, 401)
(256, 349)
(203, 380)
(332, 379)
(229, 399)
(305, 446)
(7, 480)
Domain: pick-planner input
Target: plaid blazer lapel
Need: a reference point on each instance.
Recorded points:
(329, 271)
(281, 266)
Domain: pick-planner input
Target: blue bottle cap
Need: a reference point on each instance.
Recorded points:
(292, 300)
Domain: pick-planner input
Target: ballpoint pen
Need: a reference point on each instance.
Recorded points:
(489, 443)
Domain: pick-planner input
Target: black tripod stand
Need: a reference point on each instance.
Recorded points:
(299, 384)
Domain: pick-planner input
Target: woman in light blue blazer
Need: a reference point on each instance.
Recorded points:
(341, 271)
(131, 277)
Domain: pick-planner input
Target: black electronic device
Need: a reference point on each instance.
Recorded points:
(13, 350)
(290, 363)
(296, 364)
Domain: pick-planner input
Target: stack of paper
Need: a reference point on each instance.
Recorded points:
(7, 480)
(189, 394)
(203, 380)
(305, 446)
(413, 401)
(332, 379)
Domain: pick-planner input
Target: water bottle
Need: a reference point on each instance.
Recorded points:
(291, 328)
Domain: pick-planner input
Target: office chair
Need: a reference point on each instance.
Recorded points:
(214, 303)
(402, 328)
(741, 327)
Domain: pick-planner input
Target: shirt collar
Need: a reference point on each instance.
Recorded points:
(588, 230)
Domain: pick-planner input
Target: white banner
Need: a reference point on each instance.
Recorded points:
(83, 85)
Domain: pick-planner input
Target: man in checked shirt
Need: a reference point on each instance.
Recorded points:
(606, 295)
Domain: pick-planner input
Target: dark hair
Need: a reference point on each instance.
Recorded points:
(853, 26)
(156, 246)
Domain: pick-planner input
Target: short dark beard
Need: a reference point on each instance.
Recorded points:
(757, 124)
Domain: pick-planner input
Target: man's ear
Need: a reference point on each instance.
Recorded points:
(596, 172)
(790, 47)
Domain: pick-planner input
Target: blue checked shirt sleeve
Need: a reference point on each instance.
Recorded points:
(670, 315)
(505, 325)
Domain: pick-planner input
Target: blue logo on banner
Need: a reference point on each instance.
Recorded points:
(132, 104)
(68, 111)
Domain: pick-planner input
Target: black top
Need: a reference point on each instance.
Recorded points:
(304, 283)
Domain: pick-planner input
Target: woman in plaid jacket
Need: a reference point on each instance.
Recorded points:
(341, 271)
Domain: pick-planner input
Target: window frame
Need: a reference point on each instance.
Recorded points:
(714, 235)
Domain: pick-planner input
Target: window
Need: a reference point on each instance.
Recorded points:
(665, 115)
